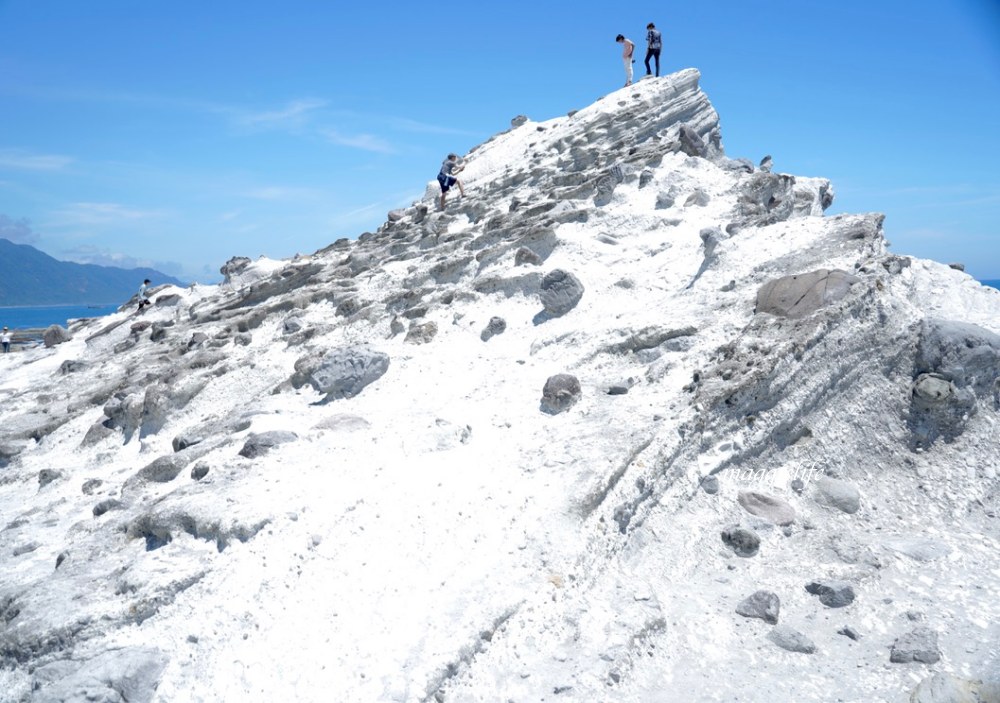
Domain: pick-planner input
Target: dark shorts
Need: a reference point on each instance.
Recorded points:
(446, 182)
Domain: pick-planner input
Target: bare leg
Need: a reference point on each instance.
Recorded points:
(460, 188)
(442, 201)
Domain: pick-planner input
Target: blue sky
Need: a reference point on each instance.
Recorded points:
(181, 133)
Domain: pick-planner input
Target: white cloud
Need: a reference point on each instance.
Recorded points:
(275, 193)
(365, 142)
(24, 161)
(91, 254)
(104, 213)
(292, 115)
(17, 231)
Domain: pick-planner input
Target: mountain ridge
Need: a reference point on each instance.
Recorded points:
(29, 276)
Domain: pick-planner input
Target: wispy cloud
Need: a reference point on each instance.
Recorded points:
(90, 254)
(25, 161)
(405, 124)
(365, 142)
(17, 231)
(104, 213)
(276, 193)
(292, 115)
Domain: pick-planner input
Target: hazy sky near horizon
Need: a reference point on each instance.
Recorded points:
(177, 134)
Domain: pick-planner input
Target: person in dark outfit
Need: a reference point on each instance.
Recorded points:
(143, 295)
(446, 177)
(653, 45)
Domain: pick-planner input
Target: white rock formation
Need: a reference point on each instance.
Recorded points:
(436, 536)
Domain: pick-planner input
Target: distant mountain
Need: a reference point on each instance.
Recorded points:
(32, 277)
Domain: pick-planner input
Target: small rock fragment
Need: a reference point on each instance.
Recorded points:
(790, 639)
(744, 542)
(919, 645)
(762, 604)
(767, 506)
(560, 393)
(832, 594)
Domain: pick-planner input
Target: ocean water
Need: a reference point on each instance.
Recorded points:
(45, 315)
(992, 284)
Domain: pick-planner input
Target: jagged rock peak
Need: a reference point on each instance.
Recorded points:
(559, 440)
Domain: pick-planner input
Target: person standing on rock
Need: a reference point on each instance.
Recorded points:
(5, 340)
(628, 48)
(143, 296)
(446, 176)
(654, 43)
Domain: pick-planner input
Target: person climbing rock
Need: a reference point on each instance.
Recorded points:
(654, 43)
(143, 296)
(628, 48)
(446, 176)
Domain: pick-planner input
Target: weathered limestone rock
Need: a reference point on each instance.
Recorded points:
(54, 335)
(126, 674)
(762, 604)
(690, 142)
(260, 443)
(790, 639)
(344, 372)
(496, 325)
(919, 645)
(767, 506)
(560, 292)
(560, 393)
(744, 542)
(832, 594)
(801, 295)
(526, 257)
(421, 334)
(835, 493)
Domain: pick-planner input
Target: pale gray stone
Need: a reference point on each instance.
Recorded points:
(767, 506)
(835, 493)
(945, 688)
(918, 645)
(260, 443)
(791, 639)
(917, 548)
(744, 542)
(55, 335)
(560, 393)
(691, 142)
(526, 257)
(421, 334)
(761, 604)
(803, 294)
(125, 675)
(560, 291)
(344, 372)
(832, 594)
(496, 325)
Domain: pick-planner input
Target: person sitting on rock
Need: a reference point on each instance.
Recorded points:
(143, 296)
(446, 176)
(628, 48)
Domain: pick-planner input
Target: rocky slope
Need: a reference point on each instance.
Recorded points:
(632, 421)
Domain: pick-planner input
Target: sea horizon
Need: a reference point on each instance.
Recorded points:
(25, 317)
(29, 317)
